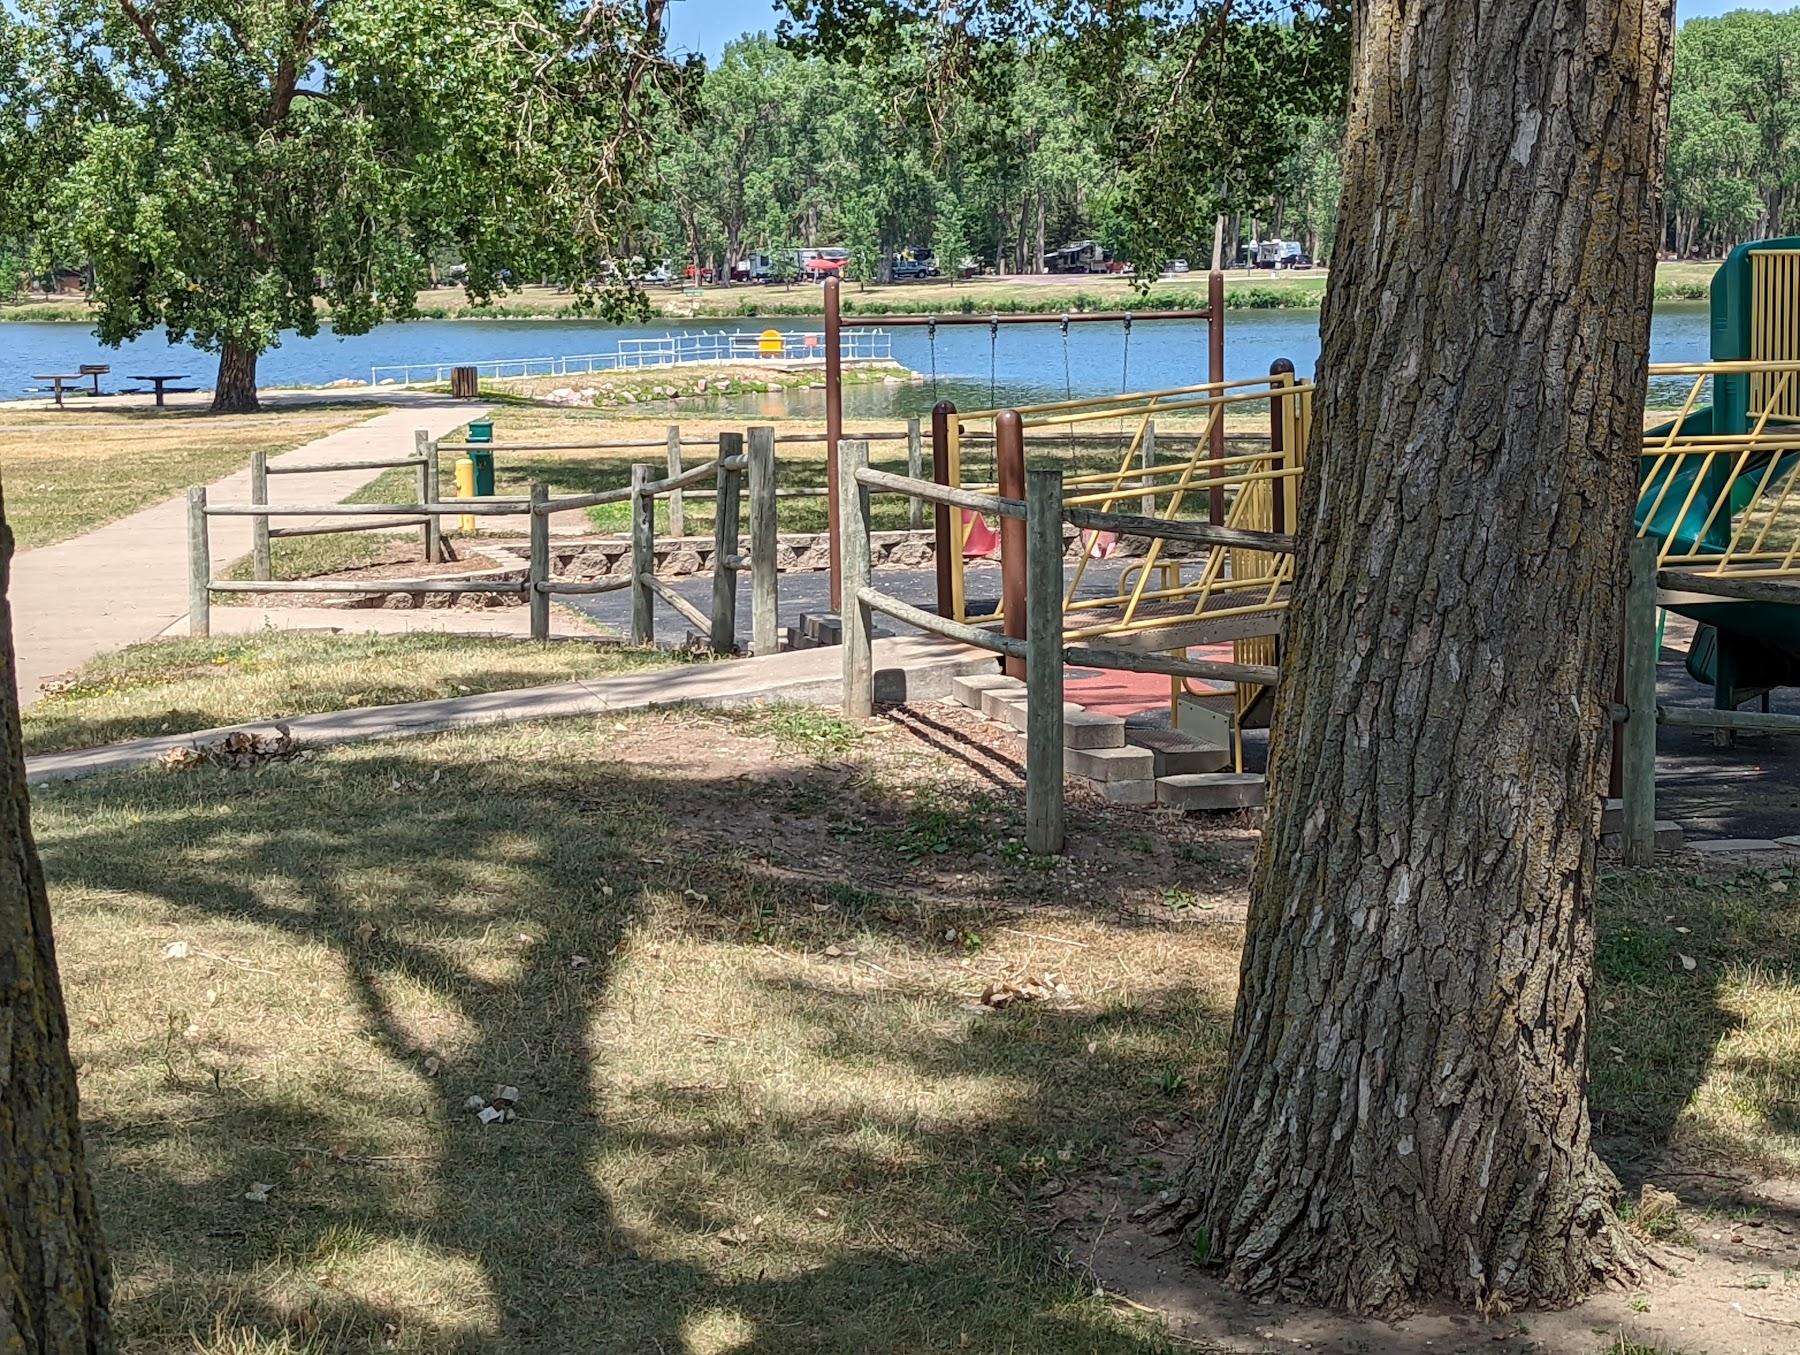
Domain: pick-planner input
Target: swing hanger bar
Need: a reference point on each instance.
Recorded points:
(1073, 318)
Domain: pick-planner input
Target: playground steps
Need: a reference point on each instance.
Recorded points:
(1612, 830)
(1124, 762)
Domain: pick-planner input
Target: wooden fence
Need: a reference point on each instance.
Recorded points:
(727, 474)
(1042, 647)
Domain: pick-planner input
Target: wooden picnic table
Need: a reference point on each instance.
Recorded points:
(57, 379)
(160, 381)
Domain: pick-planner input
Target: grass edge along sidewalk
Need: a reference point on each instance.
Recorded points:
(907, 668)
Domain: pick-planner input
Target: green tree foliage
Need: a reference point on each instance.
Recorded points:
(229, 167)
(1734, 131)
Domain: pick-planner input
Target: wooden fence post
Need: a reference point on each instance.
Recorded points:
(915, 470)
(1147, 459)
(853, 569)
(764, 538)
(262, 566)
(677, 514)
(1043, 662)
(427, 533)
(434, 528)
(729, 481)
(643, 558)
(539, 573)
(1640, 704)
(199, 565)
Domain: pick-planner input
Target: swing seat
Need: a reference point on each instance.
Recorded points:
(979, 540)
(1100, 545)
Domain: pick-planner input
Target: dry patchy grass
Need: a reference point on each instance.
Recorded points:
(67, 473)
(732, 962)
(179, 685)
(734, 981)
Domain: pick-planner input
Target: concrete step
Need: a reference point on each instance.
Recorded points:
(1211, 791)
(996, 698)
(1668, 837)
(1085, 729)
(1137, 791)
(968, 690)
(1110, 764)
(1179, 754)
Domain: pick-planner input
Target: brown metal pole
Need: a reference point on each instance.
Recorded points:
(1277, 438)
(834, 429)
(1009, 458)
(1215, 371)
(943, 542)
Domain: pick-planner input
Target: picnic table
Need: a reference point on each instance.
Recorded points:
(160, 381)
(57, 379)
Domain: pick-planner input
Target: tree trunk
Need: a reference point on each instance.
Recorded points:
(55, 1285)
(235, 391)
(1405, 1112)
(1037, 261)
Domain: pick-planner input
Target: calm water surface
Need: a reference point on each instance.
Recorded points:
(1021, 364)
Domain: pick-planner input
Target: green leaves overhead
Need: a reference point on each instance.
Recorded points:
(229, 167)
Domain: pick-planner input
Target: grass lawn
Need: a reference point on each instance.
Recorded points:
(68, 472)
(759, 1105)
(178, 685)
(732, 966)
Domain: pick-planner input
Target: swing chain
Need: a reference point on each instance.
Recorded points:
(931, 346)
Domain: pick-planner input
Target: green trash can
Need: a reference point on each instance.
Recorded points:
(483, 457)
(481, 430)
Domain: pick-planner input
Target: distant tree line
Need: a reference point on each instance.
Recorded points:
(1734, 132)
(787, 150)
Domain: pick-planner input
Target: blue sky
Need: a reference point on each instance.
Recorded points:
(707, 25)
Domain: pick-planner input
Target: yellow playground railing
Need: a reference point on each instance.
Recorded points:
(1254, 484)
(1717, 484)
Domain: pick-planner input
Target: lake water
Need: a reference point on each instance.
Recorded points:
(1022, 364)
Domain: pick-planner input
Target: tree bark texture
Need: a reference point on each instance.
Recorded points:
(55, 1285)
(235, 390)
(1405, 1115)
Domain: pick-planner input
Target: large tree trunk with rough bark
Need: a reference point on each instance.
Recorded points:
(1405, 1113)
(55, 1286)
(235, 390)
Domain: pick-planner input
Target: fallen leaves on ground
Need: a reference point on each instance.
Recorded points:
(1046, 987)
(237, 751)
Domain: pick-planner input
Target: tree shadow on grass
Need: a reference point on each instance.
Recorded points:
(475, 910)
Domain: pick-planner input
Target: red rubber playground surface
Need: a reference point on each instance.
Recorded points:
(1108, 692)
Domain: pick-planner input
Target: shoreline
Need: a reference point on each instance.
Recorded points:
(1028, 294)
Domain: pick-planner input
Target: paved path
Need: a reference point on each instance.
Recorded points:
(127, 581)
(913, 668)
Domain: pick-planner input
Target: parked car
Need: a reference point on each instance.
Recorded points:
(1176, 266)
(911, 264)
(1084, 256)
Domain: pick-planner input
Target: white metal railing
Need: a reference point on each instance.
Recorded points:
(663, 350)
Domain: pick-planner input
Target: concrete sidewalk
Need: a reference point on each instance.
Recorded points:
(127, 581)
(910, 668)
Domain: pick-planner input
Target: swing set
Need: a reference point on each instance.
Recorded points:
(1009, 468)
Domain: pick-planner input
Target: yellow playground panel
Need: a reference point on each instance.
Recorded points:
(1721, 499)
(1163, 464)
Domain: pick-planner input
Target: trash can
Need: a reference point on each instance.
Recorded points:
(481, 430)
(483, 457)
(465, 383)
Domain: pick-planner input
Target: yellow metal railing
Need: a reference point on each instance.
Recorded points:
(1258, 487)
(1726, 501)
(1775, 325)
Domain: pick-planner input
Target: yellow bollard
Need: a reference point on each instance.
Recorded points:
(465, 489)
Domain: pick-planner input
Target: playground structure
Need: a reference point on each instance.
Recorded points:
(1717, 539)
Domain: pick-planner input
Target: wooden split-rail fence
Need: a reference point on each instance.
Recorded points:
(741, 469)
